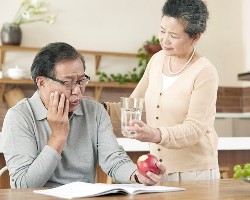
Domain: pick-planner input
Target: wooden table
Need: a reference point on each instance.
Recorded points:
(227, 189)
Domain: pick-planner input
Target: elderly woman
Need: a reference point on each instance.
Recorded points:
(180, 90)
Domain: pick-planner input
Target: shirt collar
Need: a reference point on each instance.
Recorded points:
(78, 110)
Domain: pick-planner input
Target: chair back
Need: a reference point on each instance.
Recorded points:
(4, 169)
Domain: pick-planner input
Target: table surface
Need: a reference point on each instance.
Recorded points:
(226, 189)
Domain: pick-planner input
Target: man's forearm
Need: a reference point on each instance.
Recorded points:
(38, 172)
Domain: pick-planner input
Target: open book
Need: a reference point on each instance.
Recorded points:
(81, 189)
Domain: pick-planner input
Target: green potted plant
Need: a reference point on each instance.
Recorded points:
(152, 46)
(144, 54)
(28, 12)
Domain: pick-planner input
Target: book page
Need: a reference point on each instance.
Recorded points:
(77, 189)
(81, 189)
(140, 188)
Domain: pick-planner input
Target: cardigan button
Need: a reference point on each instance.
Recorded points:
(161, 94)
(159, 149)
(157, 117)
(158, 106)
(160, 160)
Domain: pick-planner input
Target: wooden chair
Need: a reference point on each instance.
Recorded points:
(109, 180)
(4, 169)
(224, 172)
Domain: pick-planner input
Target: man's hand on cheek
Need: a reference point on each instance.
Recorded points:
(58, 114)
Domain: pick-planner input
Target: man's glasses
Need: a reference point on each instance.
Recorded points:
(70, 85)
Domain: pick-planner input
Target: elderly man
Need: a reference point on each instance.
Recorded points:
(56, 136)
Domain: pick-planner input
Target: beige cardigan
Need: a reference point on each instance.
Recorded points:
(184, 113)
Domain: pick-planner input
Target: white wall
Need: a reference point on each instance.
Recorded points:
(222, 43)
(123, 26)
(246, 36)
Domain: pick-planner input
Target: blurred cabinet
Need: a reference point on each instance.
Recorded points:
(241, 127)
(232, 127)
(224, 127)
(98, 86)
(97, 54)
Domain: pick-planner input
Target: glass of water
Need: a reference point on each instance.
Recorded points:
(131, 108)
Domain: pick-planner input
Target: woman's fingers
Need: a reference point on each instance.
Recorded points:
(135, 125)
(136, 122)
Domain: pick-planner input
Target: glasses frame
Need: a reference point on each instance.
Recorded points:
(87, 78)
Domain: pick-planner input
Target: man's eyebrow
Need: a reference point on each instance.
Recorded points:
(71, 77)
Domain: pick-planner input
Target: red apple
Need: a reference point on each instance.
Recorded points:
(147, 163)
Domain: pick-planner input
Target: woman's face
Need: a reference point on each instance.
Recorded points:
(173, 39)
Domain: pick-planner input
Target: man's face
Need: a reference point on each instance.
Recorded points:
(69, 72)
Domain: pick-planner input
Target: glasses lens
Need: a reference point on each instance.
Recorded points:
(83, 82)
(68, 85)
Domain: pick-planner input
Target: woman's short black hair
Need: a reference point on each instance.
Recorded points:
(53, 53)
(193, 13)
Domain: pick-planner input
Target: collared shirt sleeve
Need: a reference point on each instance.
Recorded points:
(26, 168)
(112, 158)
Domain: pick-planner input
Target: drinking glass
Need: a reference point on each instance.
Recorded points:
(131, 108)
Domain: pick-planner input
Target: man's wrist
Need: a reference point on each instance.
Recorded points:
(57, 143)
(136, 179)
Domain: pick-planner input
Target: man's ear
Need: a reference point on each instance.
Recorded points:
(40, 81)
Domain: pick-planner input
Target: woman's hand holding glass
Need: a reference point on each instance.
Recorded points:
(143, 132)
